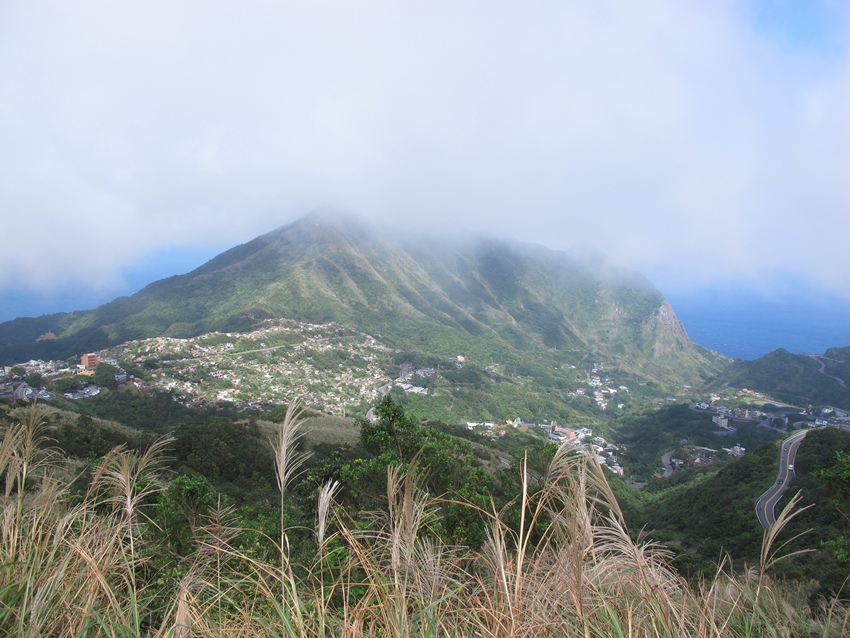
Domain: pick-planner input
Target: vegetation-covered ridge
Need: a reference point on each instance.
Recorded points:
(501, 301)
(799, 379)
(100, 559)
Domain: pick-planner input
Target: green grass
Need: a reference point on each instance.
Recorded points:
(330, 430)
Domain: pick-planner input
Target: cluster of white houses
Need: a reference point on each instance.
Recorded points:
(606, 453)
(14, 387)
(603, 390)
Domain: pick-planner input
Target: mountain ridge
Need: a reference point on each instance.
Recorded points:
(418, 291)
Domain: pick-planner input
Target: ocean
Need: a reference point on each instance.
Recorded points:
(14, 304)
(162, 263)
(746, 325)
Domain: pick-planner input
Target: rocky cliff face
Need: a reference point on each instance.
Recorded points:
(671, 332)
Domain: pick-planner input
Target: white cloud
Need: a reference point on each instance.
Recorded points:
(675, 136)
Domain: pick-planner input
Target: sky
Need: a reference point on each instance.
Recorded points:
(701, 143)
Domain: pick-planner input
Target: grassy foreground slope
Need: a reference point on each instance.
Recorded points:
(556, 561)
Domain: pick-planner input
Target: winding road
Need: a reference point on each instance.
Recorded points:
(819, 359)
(766, 505)
(668, 468)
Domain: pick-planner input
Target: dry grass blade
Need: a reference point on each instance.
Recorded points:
(9, 449)
(288, 464)
(771, 556)
(24, 449)
(636, 572)
(326, 497)
(128, 476)
(288, 460)
(563, 565)
(411, 582)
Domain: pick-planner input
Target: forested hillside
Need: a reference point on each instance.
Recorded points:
(713, 514)
(799, 379)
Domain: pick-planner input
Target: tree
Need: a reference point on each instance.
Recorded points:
(34, 379)
(181, 509)
(104, 375)
(394, 432)
(395, 438)
(66, 384)
(837, 480)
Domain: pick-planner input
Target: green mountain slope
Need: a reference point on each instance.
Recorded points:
(799, 379)
(497, 300)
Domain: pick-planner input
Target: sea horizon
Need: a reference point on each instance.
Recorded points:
(743, 324)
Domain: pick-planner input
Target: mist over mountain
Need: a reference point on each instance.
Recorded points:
(445, 294)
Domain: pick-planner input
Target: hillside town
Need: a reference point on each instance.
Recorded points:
(341, 371)
(328, 367)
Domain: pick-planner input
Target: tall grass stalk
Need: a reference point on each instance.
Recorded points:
(67, 569)
(565, 565)
(289, 463)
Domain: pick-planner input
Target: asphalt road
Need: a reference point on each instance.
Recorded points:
(668, 469)
(766, 504)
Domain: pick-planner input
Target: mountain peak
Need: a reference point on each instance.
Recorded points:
(422, 292)
(341, 221)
